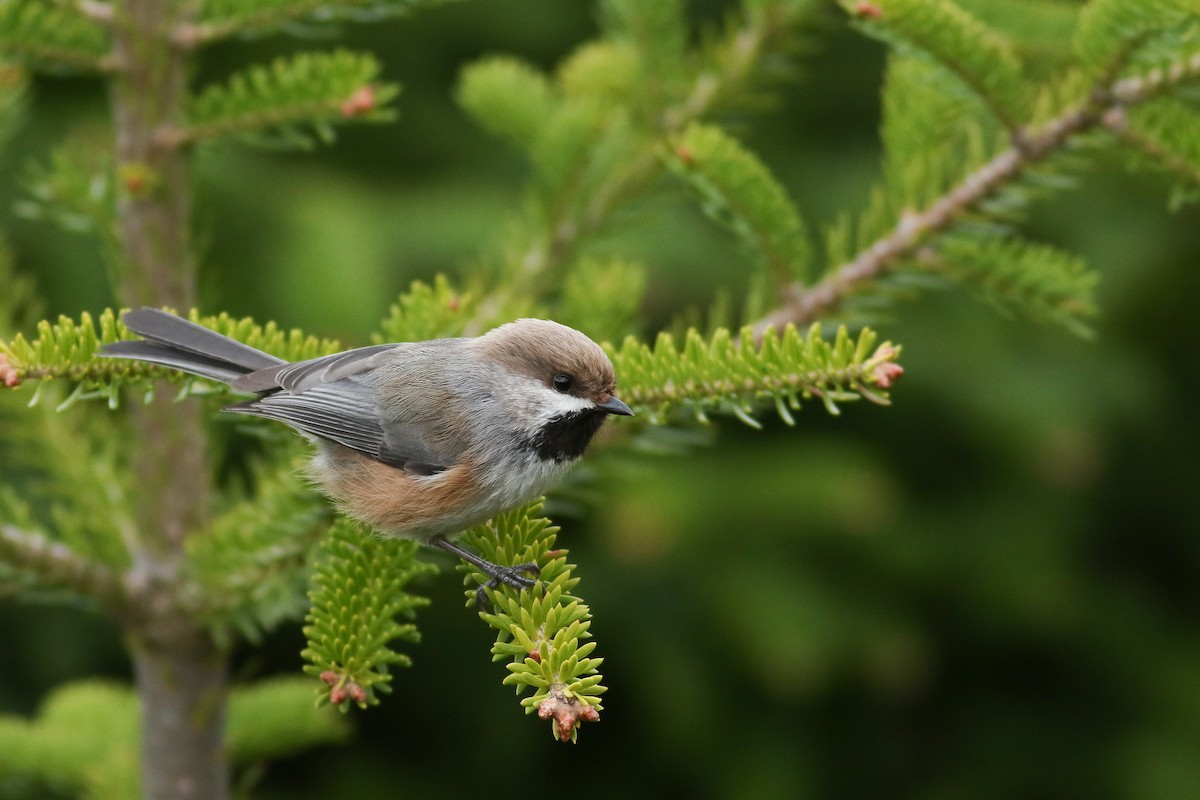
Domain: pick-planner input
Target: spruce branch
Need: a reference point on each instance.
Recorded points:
(983, 59)
(282, 102)
(737, 376)
(541, 633)
(67, 350)
(54, 36)
(221, 19)
(55, 565)
(83, 740)
(741, 193)
(250, 564)
(1167, 132)
(803, 305)
(358, 590)
(1111, 33)
(726, 73)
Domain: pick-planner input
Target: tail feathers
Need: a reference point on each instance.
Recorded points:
(175, 342)
(182, 334)
(164, 356)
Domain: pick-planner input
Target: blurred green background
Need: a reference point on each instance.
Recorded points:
(989, 590)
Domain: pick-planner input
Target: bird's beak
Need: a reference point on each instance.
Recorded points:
(615, 406)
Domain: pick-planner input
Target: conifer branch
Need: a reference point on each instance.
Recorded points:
(803, 305)
(221, 19)
(55, 36)
(762, 31)
(738, 376)
(542, 633)
(250, 565)
(56, 565)
(95, 10)
(357, 591)
(983, 59)
(314, 90)
(67, 350)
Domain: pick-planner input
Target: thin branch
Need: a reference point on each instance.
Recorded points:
(566, 231)
(804, 305)
(1117, 122)
(58, 565)
(95, 10)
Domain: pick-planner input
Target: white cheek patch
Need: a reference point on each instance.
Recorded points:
(536, 403)
(563, 404)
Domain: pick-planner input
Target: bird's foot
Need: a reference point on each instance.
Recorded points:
(514, 576)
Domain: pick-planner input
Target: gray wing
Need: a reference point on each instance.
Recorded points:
(336, 398)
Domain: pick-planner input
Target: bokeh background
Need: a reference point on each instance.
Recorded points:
(989, 590)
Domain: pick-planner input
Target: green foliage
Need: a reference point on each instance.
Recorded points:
(741, 193)
(84, 739)
(76, 189)
(357, 591)
(276, 717)
(602, 297)
(251, 563)
(659, 36)
(983, 59)
(1037, 28)
(1040, 281)
(293, 102)
(426, 312)
(927, 153)
(486, 90)
(1113, 33)
(595, 133)
(52, 35)
(1166, 132)
(542, 631)
(68, 350)
(736, 377)
(222, 18)
(14, 85)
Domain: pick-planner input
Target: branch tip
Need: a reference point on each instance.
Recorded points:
(567, 713)
(9, 375)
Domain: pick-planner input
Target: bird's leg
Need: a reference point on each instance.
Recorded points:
(513, 576)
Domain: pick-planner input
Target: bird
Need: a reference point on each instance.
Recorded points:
(418, 440)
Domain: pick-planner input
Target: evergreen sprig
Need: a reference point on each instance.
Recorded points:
(84, 739)
(542, 632)
(426, 311)
(53, 35)
(75, 188)
(735, 376)
(925, 153)
(595, 131)
(68, 349)
(981, 57)
(250, 564)
(486, 90)
(292, 102)
(1040, 281)
(357, 592)
(740, 192)
(218, 19)
(1166, 132)
(14, 85)
(1111, 33)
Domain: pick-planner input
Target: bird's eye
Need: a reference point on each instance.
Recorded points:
(562, 383)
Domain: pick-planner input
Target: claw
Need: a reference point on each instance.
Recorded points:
(513, 576)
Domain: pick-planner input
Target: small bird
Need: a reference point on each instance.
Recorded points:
(420, 440)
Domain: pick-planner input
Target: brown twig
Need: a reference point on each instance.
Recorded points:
(58, 565)
(804, 305)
